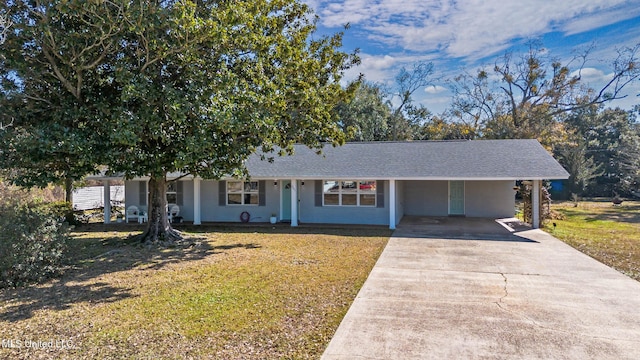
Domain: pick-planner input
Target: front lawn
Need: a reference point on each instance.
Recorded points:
(236, 292)
(608, 233)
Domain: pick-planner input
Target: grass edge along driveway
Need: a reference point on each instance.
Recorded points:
(608, 233)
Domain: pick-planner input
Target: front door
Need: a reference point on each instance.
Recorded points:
(286, 201)
(456, 197)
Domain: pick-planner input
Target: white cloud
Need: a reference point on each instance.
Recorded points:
(471, 28)
(599, 19)
(435, 89)
(592, 75)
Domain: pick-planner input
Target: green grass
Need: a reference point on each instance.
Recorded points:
(610, 234)
(237, 292)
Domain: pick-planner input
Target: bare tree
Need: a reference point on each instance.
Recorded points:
(407, 82)
(533, 89)
(5, 24)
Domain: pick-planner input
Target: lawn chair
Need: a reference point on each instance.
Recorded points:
(173, 212)
(132, 213)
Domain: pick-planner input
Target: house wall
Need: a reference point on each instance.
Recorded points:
(186, 209)
(492, 199)
(131, 191)
(417, 198)
(212, 211)
(132, 197)
(482, 198)
(426, 198)
(310, 213)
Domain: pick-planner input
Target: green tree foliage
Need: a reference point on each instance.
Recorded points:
(606, 139)
(377, 113)
(439, 129)
(51, 91)
(154, 87)
(366, 117)
(580, 164)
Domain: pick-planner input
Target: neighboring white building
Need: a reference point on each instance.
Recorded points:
(92, 197)
(366, 183)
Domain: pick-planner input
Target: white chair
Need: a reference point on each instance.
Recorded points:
(174, 210)
(143, 215)
(132, 213)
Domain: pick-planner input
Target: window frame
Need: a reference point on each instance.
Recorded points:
(349, 191)
(172, 189)
(243, 192)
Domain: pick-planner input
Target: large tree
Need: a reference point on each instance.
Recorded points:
(524, 95)
(50, 89)
(609, 141)
(406, 116)
(367, 115)
(197, 86)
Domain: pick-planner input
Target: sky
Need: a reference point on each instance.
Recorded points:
(465, 35)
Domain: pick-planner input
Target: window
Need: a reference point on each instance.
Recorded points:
(242, 193)
(349, 193)
(172, 192)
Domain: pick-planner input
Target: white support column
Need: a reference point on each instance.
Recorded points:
(196, 201)
(392, 204)
(294, 202)
(107, 201)
(535, 204)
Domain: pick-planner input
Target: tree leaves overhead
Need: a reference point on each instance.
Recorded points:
(185, 79)
(152, 87)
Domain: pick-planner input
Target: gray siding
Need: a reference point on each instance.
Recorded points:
(309, 213)
(426, 198)
(418, 198)
(131, 194)
(186, 209)
(491, 199)
(212, 211)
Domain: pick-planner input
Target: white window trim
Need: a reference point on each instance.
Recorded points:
(242, 192)
(358, 193)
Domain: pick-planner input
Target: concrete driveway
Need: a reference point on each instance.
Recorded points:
(490, 294)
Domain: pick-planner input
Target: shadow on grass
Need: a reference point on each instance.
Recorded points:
(627, 213)
(280, 228)
(91, 259)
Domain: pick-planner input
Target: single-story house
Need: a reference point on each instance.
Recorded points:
(365, 183)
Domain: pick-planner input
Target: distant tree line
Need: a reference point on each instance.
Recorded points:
(523, 96)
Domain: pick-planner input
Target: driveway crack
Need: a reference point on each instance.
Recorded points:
(506, 291)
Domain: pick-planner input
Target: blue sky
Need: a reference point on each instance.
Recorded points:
(463, 35)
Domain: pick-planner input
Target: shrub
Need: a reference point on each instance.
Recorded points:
(63, 210)
(33, 243)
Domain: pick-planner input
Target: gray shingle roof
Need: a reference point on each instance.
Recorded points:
(435, 160)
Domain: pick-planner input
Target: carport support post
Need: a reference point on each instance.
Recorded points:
(294, 202)
(107, 201)
(535, 204)
(196, 201)
(392, 204)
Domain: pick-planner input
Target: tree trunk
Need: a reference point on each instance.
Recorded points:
(159, 228)
(68, 190)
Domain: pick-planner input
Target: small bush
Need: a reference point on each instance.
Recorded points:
(63, 210)
(33, 243)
